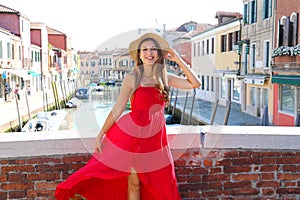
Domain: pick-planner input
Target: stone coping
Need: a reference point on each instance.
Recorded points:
(34, 144)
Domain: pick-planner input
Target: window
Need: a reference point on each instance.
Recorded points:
(287, 99)
(287, 33)
(20, 53)
(253, 10)
(212, 83)
(280, 34)
(236, 90)
(194, 45)
(252, 96)
(202, 48)
(294, 34)
(36, 56)
(93, 64)
(236, 37)
(252, 56)
(223, 43)
(246, 17)
(207, 47)
(288, 30)
(198, 48)
(267, 9)
(223, 87)
(267, 54)
(202, 82)
(13, 51)
(230, 41)
(207, 83)
(212, 45)
(8, 51)
(1, 51)
(192, 27)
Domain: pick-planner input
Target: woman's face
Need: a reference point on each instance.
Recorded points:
(148, 52)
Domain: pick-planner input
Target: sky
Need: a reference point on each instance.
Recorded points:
(90, 23)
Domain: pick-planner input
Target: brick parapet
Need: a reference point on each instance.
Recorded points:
(235, 170)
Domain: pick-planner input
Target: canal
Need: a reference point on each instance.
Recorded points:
(90, 114)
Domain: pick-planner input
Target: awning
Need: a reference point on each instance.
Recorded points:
(286, 79)
(227, 73)
(75, 70)
(34, 73)
(255, 79)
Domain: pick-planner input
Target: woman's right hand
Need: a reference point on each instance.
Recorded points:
(99, 139)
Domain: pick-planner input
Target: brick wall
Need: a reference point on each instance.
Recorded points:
(217, 174)
(239, 174)
(249, 167)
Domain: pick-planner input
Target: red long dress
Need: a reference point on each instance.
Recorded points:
(137, 140)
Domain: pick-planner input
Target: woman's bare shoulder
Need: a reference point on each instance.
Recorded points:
(129, 79)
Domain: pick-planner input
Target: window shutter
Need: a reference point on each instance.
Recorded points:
(246, 17)
(286, 27)
(255, 11)
(264, 10)
(270, 9)
(280, 34)
(295, 29)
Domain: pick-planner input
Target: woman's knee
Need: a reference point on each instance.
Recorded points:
(133, 182)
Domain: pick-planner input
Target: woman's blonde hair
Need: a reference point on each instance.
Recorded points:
(159, 71)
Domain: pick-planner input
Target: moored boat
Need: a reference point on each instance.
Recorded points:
(45, 121)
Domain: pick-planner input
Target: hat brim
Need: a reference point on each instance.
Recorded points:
(133, 46)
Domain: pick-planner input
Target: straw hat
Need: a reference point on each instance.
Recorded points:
(133, 46)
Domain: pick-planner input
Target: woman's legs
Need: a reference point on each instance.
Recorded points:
(133, 186)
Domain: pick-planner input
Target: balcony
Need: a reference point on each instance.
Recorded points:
(286, 58)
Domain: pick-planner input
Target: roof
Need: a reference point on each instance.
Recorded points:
(53, 31)
(6, 9)
(228, 14)
(198, 27)
(120, 50)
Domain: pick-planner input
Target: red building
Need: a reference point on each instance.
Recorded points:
(286, 64)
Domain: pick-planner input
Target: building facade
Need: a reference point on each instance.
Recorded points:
(215, 59)
(257, 43)
(32, 54)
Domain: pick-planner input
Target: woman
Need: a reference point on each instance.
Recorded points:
(132, 159)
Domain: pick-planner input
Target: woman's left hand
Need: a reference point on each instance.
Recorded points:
(98, 145)
(172, 55)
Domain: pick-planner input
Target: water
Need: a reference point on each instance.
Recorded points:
(90, 114)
